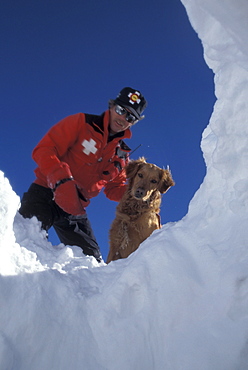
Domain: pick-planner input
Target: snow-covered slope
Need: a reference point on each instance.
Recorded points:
(180, 302)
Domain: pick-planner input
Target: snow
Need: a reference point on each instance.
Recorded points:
(180, 302)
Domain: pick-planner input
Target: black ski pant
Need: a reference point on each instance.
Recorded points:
(71, 230)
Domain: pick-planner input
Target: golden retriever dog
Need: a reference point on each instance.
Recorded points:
(137, 214)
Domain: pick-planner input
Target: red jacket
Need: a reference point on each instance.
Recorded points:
(79, 145)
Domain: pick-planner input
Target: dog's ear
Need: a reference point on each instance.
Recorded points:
(133, 166)
(166, 181)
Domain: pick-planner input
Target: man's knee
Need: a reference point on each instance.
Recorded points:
(33, 203)
(76, 230)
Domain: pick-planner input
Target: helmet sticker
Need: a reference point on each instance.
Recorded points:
(134, 97)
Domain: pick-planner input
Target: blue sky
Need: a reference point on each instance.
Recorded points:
(61, 57)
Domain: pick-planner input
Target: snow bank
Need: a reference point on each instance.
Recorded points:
(180, 301)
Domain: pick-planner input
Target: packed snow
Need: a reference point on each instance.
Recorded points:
(180, 302)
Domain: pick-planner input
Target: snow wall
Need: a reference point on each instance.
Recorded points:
(180, 301)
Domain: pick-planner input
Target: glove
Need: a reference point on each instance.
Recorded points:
(59, 172)
(66, 193)
(67, 197)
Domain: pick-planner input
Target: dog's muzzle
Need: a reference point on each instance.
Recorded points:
(139, 193)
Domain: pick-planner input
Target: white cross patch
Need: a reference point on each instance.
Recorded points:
(89, 146)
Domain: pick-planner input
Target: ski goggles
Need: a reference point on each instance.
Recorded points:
(130, 118)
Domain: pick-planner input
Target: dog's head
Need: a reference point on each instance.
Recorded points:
(146, 178)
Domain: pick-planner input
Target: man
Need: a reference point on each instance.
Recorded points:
(77, 158)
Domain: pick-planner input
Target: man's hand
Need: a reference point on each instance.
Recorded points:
(66, 196)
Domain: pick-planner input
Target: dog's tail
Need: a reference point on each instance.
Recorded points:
(159, 220)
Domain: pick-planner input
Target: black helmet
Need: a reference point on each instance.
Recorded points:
(133, 100)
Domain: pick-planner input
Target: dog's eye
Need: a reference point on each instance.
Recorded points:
(154, 181)
(140, 175)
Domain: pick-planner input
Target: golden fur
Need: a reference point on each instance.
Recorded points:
(137, 214)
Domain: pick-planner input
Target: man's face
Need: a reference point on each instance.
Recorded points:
(117, 123)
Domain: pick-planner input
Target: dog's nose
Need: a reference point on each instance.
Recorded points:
(139, 193)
